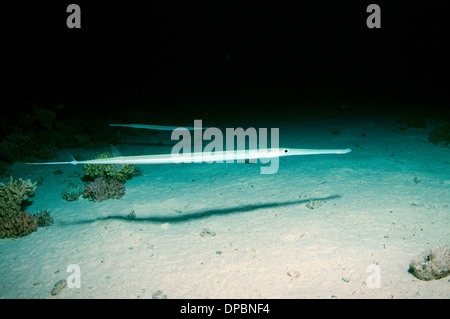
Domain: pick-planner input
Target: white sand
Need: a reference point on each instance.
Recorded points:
(267, 242)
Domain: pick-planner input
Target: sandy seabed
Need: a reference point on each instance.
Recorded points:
(225, 231)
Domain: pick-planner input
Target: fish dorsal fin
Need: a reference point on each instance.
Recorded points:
(72, 159)
(115, 151)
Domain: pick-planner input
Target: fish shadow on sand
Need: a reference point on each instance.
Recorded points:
(183, 217)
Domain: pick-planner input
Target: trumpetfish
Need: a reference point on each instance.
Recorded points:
(217, 156)
(198, 157)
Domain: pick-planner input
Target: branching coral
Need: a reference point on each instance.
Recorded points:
(104, 188)
(13, 221)
(13, 194)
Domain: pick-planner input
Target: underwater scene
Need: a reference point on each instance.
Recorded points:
(210, 151)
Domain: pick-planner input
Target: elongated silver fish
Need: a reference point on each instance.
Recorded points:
(209, 157)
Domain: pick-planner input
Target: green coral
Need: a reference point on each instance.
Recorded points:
(13, 194)
(92, 171)
(126, 172)
(120, 173)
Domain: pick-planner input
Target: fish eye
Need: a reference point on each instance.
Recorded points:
(286, 151)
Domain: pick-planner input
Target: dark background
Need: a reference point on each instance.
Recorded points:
(229, 58)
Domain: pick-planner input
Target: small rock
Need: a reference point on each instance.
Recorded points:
(312, 204)
(159, 295)
(293, 274)
(431, 264)
(60, 285)
(206, 232)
